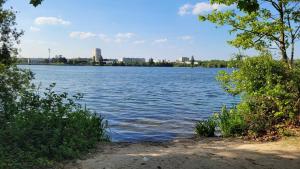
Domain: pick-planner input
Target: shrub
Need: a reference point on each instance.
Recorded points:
(270, 92)
(270, 97)
(231, 122)
(206, 128)
(38, 130)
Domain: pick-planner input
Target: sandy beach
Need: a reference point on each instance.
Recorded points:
(214, 153)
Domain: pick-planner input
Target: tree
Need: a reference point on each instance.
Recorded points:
(260, 24)
(36, 2)
(38, 130)
(59, 59)
(151, 62)
(9, 33)
(192, 61)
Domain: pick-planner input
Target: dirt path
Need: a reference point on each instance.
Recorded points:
(191, 154)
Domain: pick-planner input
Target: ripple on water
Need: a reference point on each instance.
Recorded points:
(151, 104)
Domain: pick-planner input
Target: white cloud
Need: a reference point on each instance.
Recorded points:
(186, 38)
(199, 8)
(118, 38)
(125, 35)
(122, 37)
(34, 29)
(185, 9)
(139, 42)
(104, 37)
(82, 35)
(203, 7)
(51, 21)
(161, 40)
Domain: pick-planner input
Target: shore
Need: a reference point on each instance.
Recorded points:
(212, 153)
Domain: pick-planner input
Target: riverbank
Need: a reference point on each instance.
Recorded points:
(192, 154)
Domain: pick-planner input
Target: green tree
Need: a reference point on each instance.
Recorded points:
(9, 33)
(192, 61)
(260, 24)
(151, 62)
(270, 93)
(38, 129)
(36, 2)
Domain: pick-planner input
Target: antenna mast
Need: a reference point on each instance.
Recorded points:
(49, 50)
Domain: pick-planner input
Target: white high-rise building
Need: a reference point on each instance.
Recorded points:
(97, 57)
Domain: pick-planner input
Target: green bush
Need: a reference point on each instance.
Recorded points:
(206, 128)
(37, 129)
(270, 92)
(231, 122)
(270, 97)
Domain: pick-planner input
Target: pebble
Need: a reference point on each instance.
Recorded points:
(145, 159)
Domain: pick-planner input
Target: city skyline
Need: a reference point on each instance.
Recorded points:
(161, 30)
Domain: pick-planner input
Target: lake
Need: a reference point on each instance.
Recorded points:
(142, 103)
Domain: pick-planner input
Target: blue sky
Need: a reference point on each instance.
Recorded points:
(161, 29)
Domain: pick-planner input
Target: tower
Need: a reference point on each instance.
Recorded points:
(49, 50)
(97, 57)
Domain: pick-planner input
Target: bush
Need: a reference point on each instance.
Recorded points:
(270, 92)
(38, 130)
(231, 122)
(206, 128)
(270, 97)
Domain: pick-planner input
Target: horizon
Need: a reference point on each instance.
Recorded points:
(161, 30)
(119, 59)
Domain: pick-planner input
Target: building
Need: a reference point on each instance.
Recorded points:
(183, 59)
(97, 57)
(133, 60)
(36, 61)
(110, 61)
(80, 61)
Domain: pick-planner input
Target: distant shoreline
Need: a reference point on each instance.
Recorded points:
(174, 66)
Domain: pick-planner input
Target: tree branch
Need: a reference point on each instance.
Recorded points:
(276, 6)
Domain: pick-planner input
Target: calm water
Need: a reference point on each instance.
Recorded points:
(142, 103)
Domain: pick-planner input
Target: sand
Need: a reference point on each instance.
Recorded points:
(194, 154)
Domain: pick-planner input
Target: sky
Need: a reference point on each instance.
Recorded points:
(159, 29)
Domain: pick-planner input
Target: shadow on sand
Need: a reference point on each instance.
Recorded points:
(195, 154)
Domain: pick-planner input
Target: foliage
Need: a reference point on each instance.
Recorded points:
(213, 64)
(59, 60)
(151, 62)
(260, 24)
(35, 3)
(205, 128)
(270, 89)
(236, 60)
(231, 122)
(297, 63)
(270, 92)
(37, 130)
(192, 61)
(9, 35)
